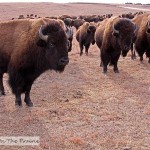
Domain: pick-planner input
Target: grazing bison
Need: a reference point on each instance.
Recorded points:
(114, 36)
(142, 39)
(27, 49)
(85, 36)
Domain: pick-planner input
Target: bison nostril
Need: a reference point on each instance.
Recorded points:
(64, 61)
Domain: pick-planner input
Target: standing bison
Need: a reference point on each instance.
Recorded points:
(142, 39)
(85, 36)
(113, 37)
(69, 31)
(27, 49)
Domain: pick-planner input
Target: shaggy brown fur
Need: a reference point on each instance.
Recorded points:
(142, 39)
(25, 55)
(85, 36)
(114, 36)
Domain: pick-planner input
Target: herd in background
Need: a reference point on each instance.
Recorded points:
(114, 35)
(50, 40)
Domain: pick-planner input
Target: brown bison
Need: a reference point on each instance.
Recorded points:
(137, 20)
(142, 39)
(114, 36)
(68, 21)
(27, 49)
(85, 36)
(77, 23)
(69, 30)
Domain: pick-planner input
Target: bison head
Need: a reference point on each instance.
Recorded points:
(148, 27)
(91, 31)
(54, 43)
(124, 31)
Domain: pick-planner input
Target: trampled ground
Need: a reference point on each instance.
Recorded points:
(81, 109)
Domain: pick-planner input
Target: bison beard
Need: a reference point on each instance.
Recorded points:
(48, 51)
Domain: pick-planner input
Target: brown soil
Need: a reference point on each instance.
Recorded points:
(81, 108)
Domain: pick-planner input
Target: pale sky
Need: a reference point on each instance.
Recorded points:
(96, 1)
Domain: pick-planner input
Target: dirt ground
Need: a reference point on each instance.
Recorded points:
(81, 108)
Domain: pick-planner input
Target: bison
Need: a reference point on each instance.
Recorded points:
(113, 37)
(142, 38)
(69, 30)
(27, 49)
(77, 23)
(137, 20)
(85, 36)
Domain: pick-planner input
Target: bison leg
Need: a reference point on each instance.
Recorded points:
(1, 85)
(18, 101)
(115, 62)
(105, 60)
(148, 54)
(141, 58)
(81, 49)
(133, 55)
(86, 49)
(27, 99)
(101, 64)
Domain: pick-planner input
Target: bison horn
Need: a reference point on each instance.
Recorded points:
(148, 24)
(115, 30)
(42, 36)
(69, 31)
(135, 28)
(148, 27)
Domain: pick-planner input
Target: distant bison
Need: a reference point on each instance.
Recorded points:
(85, 36)
(69, 30)
(27, 49)
(77, 23)
(114, 36)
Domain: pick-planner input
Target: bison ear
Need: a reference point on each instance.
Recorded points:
(41, 43)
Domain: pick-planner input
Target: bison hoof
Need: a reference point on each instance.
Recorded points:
(29, 103)
(116, 71)
(18, 103)
(2, 93)
(81, 54)
(104, 71)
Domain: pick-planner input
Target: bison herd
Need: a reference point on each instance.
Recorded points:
(31, 45)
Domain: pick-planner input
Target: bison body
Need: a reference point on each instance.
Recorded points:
(27, 49)
(85, 36)
(113, 37)
(77, 23)
(142, 39)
